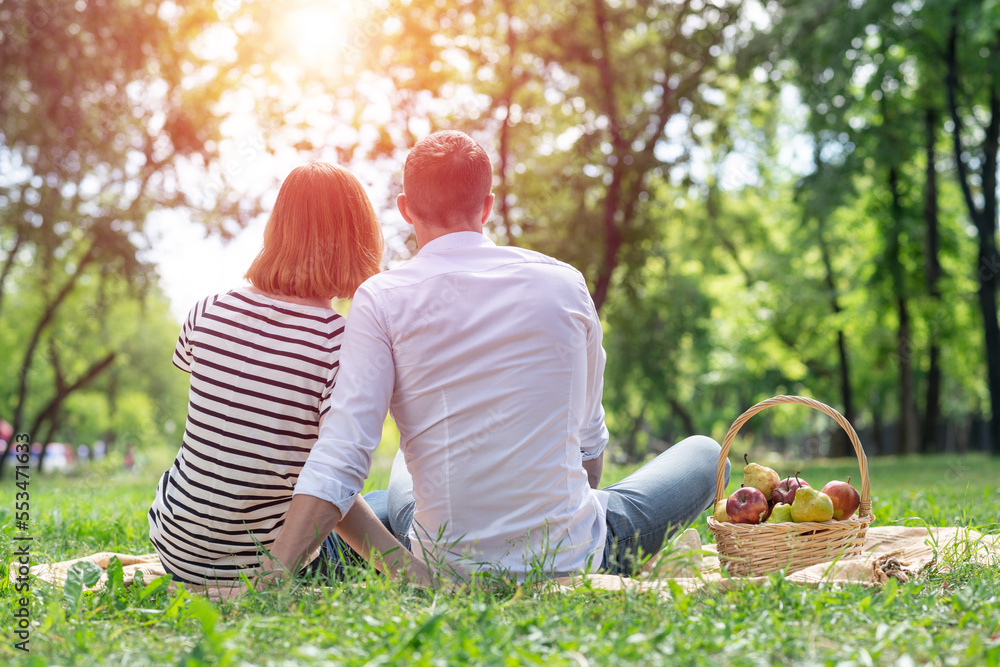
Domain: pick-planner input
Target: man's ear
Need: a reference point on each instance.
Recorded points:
(401, 205)
(487, 208)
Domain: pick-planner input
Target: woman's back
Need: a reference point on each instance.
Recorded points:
(262, 372)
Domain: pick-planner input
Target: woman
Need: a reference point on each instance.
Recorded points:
(263, 361)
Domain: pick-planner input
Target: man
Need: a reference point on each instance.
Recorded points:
(490, 361)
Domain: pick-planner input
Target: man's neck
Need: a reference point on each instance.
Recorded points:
(427, 233)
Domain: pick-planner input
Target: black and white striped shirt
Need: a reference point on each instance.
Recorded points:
(262, 372)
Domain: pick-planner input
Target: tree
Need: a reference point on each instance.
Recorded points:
(973, 85)
(108, 111)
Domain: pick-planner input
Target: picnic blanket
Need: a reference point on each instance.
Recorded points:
(889, 552)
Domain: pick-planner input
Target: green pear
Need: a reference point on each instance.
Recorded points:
(781, 513)
(720, 511)
(811, 505)
(760, 477)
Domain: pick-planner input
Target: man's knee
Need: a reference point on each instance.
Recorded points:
(704, 451)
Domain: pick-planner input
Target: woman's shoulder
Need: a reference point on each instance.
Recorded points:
(250, 307)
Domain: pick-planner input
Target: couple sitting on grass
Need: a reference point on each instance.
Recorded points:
(488, 358)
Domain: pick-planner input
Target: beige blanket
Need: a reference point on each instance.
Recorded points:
(890, 552)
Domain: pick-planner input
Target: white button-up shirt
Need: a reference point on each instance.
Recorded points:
(490, 361)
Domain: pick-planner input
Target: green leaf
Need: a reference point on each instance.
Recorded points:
(116, 576)
(155, 586)
(81, 575)
(889, 592)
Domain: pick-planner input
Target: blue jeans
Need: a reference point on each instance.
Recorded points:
(644, 509)
(335, 552)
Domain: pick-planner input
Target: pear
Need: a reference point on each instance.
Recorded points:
(811, 505)
(760, 477)
(781, 513)
(720, 511)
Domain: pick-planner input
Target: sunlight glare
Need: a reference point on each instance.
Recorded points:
(319, 31)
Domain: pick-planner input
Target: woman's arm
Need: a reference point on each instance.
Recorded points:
(365, 533)
(310, 519)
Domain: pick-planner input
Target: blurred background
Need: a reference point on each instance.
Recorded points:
(765, 197)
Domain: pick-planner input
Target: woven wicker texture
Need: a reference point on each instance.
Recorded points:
(756, 549)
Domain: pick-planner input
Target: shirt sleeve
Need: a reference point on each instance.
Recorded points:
(331, 380)
(184, 351)
(593, 431)
(339, 462)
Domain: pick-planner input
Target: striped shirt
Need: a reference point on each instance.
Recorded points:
(262, 372)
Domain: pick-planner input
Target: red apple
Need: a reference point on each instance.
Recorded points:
(845, 498)
(747, 505)
(785, 491)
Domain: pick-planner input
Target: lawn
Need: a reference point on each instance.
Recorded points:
(939, 618)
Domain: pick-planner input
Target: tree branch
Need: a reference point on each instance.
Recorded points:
(46, 319)
(8, 262)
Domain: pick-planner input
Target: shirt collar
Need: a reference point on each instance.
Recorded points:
(455, 240)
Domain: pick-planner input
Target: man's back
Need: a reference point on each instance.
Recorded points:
(498, 377)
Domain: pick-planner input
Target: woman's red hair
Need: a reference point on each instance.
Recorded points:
(322, 238)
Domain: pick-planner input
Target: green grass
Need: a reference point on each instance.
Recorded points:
(941, 618)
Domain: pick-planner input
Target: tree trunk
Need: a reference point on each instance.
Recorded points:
(36, 335)
(877, 444)
(985, 220)
(504, 189)
(612, 233)
(906, 437)
(839, 443)
(684, 416)
(932, 410)
(52, 408)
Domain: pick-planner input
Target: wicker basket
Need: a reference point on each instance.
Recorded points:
(756, 549)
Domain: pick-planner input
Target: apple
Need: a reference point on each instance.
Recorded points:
(785, 491)
(845, 497)
(747, 505)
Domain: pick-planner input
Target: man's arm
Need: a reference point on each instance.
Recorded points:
(594, 468)
(308, 520)
(328, 490)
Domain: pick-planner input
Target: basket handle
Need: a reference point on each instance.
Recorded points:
(720, 473)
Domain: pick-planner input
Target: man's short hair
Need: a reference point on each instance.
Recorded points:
(322, 239)
(447, 178)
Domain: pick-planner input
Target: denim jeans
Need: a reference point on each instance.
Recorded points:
(644, 509)
(335, 552)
